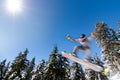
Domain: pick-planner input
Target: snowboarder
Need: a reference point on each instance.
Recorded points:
(85, 46)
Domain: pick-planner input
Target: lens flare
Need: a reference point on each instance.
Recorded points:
(14, 6)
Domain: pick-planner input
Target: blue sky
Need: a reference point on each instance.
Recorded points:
(44, 23)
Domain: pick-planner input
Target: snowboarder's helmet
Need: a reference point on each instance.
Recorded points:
(82, 35)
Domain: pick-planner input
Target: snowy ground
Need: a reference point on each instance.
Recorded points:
(115, 77)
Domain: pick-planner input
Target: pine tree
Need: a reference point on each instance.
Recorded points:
(29, 70)
(99, 75)
(3, 69)
(39, 71)
(77, 72)
(90, 74)
(17, 68)
(110, 42)
(55, 68)
(65, 68)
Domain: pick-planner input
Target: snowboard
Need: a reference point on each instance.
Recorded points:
(83, 62)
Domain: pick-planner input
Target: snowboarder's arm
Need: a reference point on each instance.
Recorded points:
(70, 38)
(92, 36)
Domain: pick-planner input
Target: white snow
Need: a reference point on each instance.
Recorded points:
(115, 77)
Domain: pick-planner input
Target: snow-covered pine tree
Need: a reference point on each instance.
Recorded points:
(39, 71)
(90, 74)
(29, 70)
(55, 68)
(18, 67)
(51, 68)
(77, 72)
(3, 69)
(110, 42)
(65, 68)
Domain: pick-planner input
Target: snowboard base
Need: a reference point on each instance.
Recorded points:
(83, 62)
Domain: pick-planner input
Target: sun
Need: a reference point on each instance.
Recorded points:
(14, 6)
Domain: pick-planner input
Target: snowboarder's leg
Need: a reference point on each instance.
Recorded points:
(86, 49)
(87, 55)
(76, 48)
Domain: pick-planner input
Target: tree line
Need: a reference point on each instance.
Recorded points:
(59, 68)
(56, 68)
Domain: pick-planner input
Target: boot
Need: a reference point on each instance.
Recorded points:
(74, 54)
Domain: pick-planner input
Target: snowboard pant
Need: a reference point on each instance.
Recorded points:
(86, 49)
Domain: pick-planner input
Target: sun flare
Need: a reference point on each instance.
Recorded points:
(14, 6)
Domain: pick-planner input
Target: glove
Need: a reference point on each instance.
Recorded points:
(68, 37)
(93, 34)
